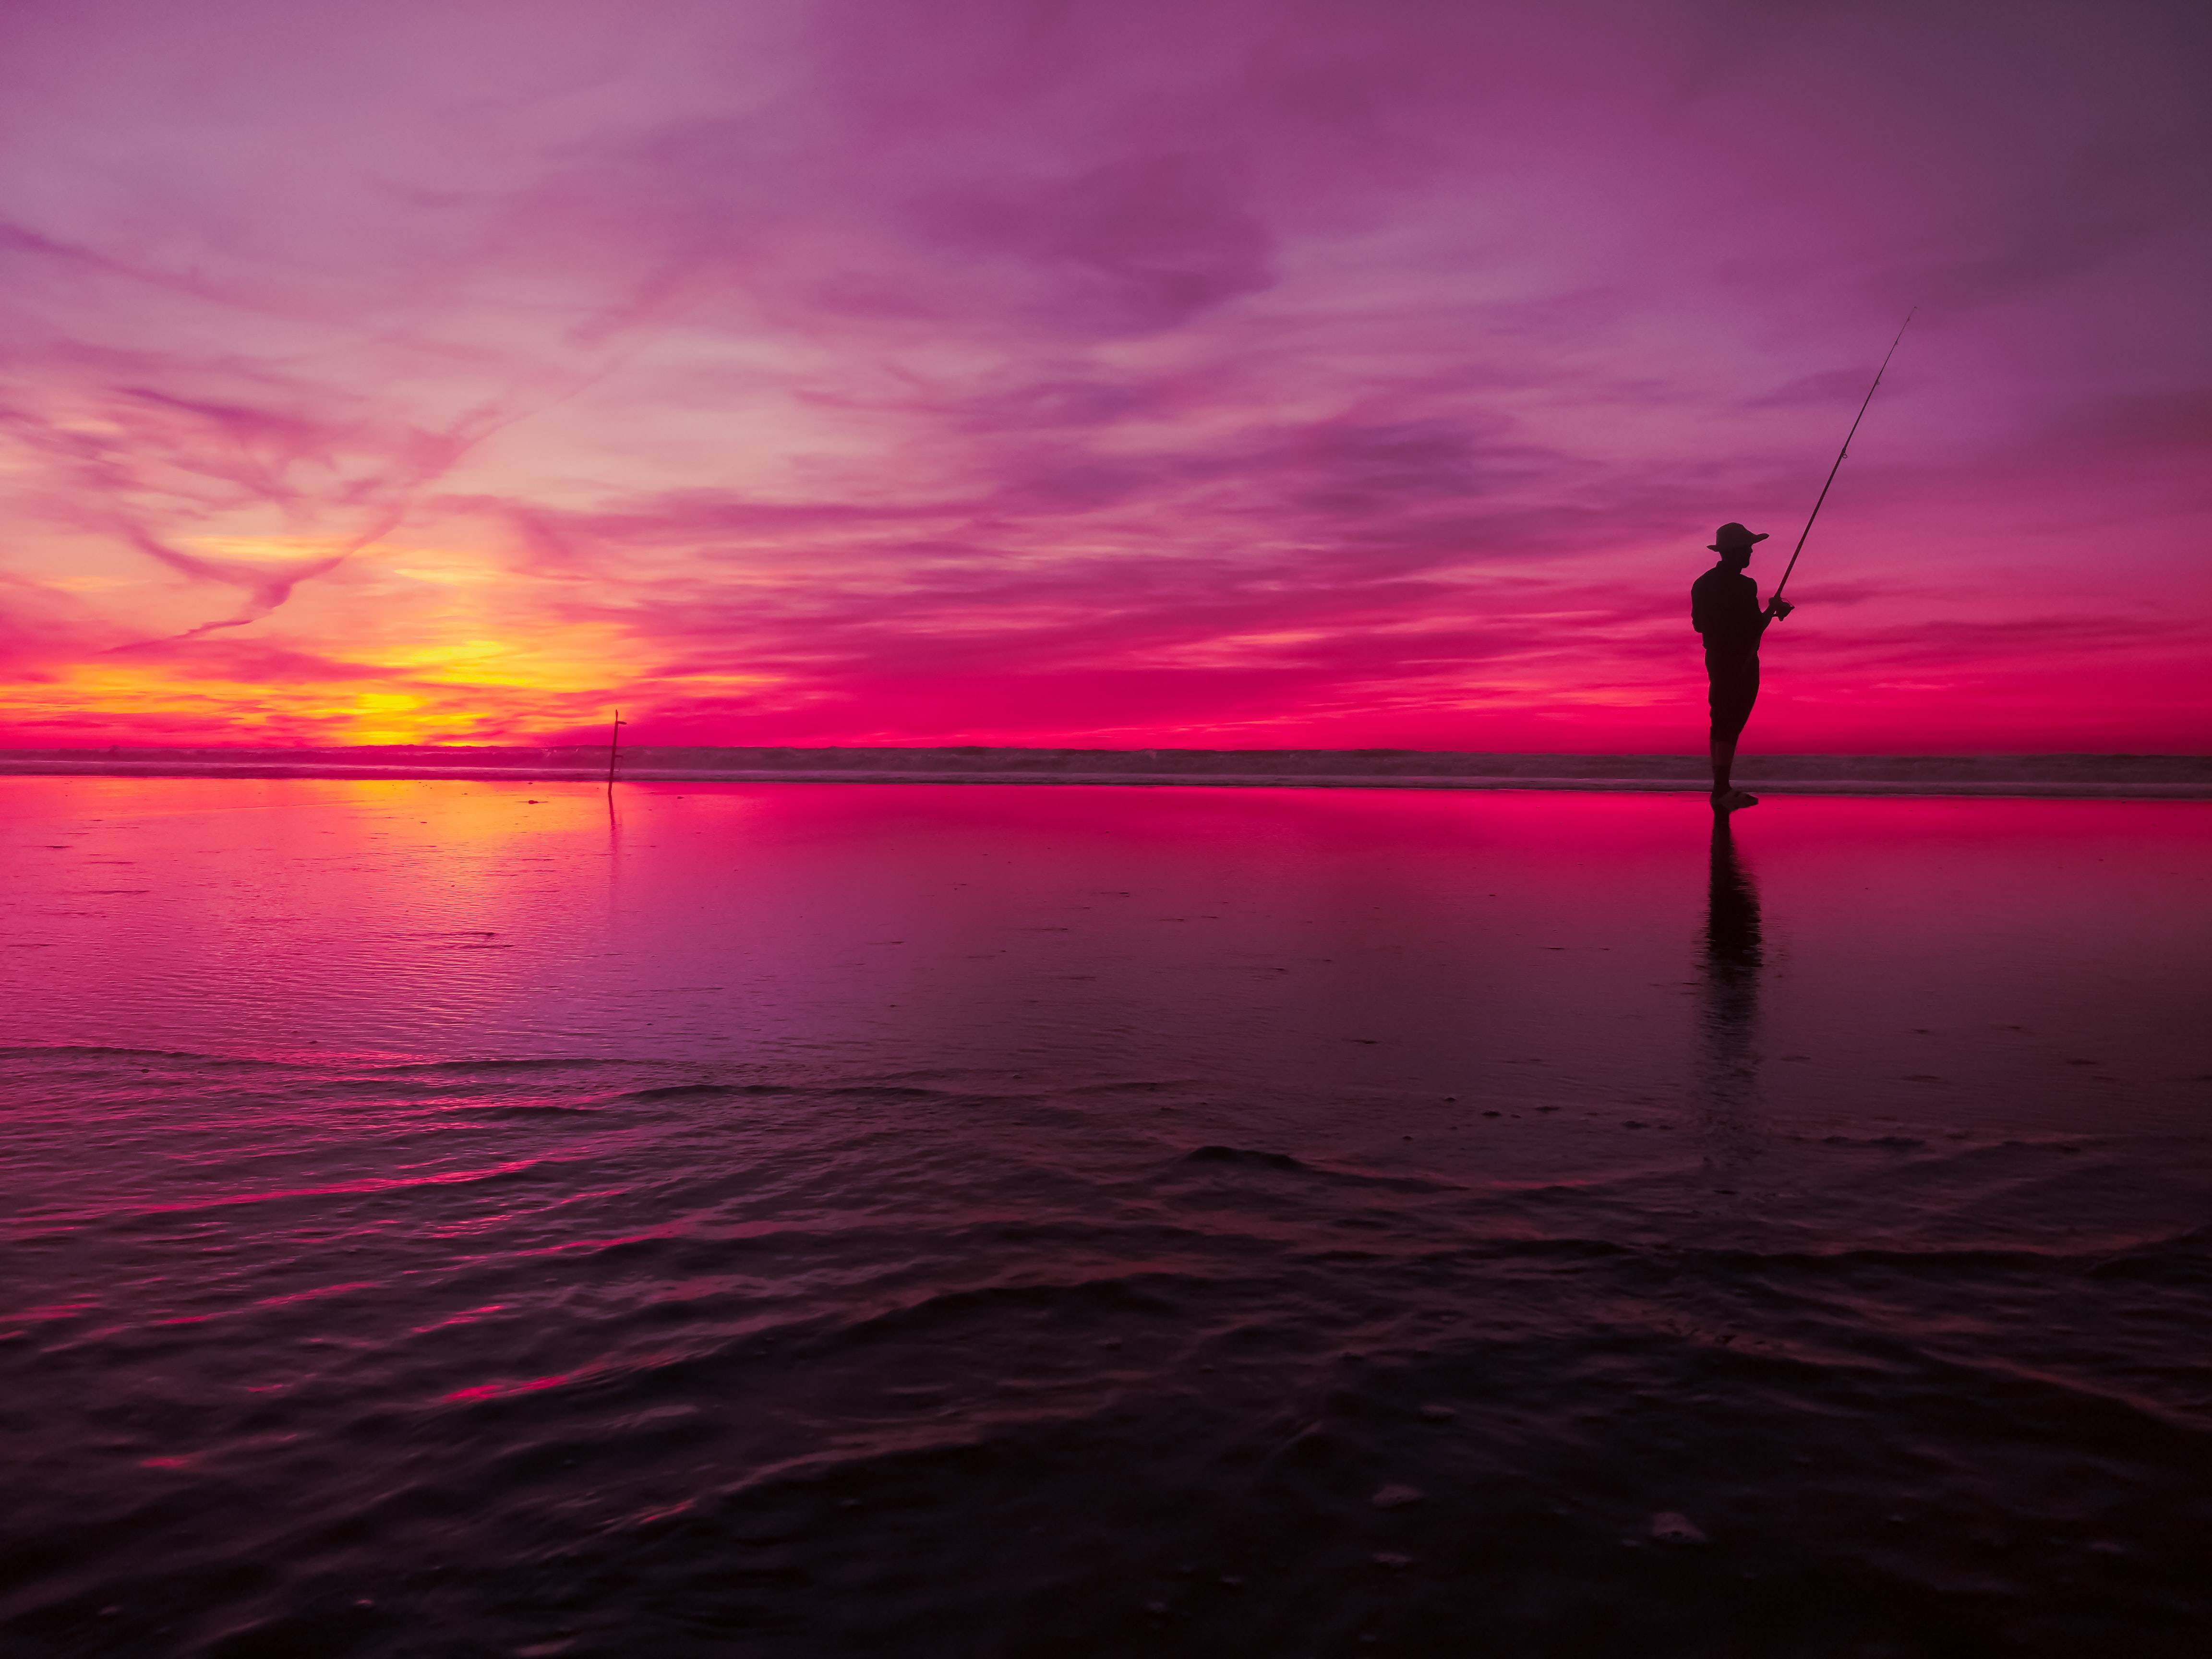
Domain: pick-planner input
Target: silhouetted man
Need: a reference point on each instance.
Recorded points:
(1724, 608)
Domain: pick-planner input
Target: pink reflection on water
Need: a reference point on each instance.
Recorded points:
(1533, 947)
(509, 1389)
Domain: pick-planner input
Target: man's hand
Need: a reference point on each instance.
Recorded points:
(1779, 609)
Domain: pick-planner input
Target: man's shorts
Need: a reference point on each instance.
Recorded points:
(1734, 682)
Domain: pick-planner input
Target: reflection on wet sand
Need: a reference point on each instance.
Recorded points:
(452, 1218)
(1735, 956)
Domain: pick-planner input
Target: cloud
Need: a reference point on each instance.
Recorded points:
(1086, 368)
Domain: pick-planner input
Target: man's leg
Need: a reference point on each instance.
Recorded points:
(1724, 761)
(1735, 689)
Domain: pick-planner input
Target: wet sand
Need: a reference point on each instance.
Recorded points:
(451, 1218)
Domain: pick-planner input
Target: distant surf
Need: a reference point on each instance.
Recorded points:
(2182, 777)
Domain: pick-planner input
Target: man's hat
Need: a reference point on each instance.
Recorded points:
(1733, 538)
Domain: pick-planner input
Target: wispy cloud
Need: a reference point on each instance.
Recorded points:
(1299, 371)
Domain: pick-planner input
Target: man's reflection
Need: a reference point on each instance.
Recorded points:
(1734, 958)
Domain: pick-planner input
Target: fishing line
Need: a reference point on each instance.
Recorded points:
(1840, 453)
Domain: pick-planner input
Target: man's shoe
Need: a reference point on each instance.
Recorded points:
(1726, 800)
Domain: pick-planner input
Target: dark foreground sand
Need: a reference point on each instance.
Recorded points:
(2186, 777)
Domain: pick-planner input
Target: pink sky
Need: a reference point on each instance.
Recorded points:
(1279, 374)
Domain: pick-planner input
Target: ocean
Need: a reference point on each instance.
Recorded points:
(471, 1218)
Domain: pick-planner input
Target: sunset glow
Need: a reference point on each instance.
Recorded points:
(1297, 373)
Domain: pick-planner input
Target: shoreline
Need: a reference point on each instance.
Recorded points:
(2144, 777)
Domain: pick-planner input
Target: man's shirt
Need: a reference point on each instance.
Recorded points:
(1724, 608)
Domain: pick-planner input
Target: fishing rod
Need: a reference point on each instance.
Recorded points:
(1840, 453)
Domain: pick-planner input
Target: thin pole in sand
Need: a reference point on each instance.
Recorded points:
(1840, 453)
(614, 747)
